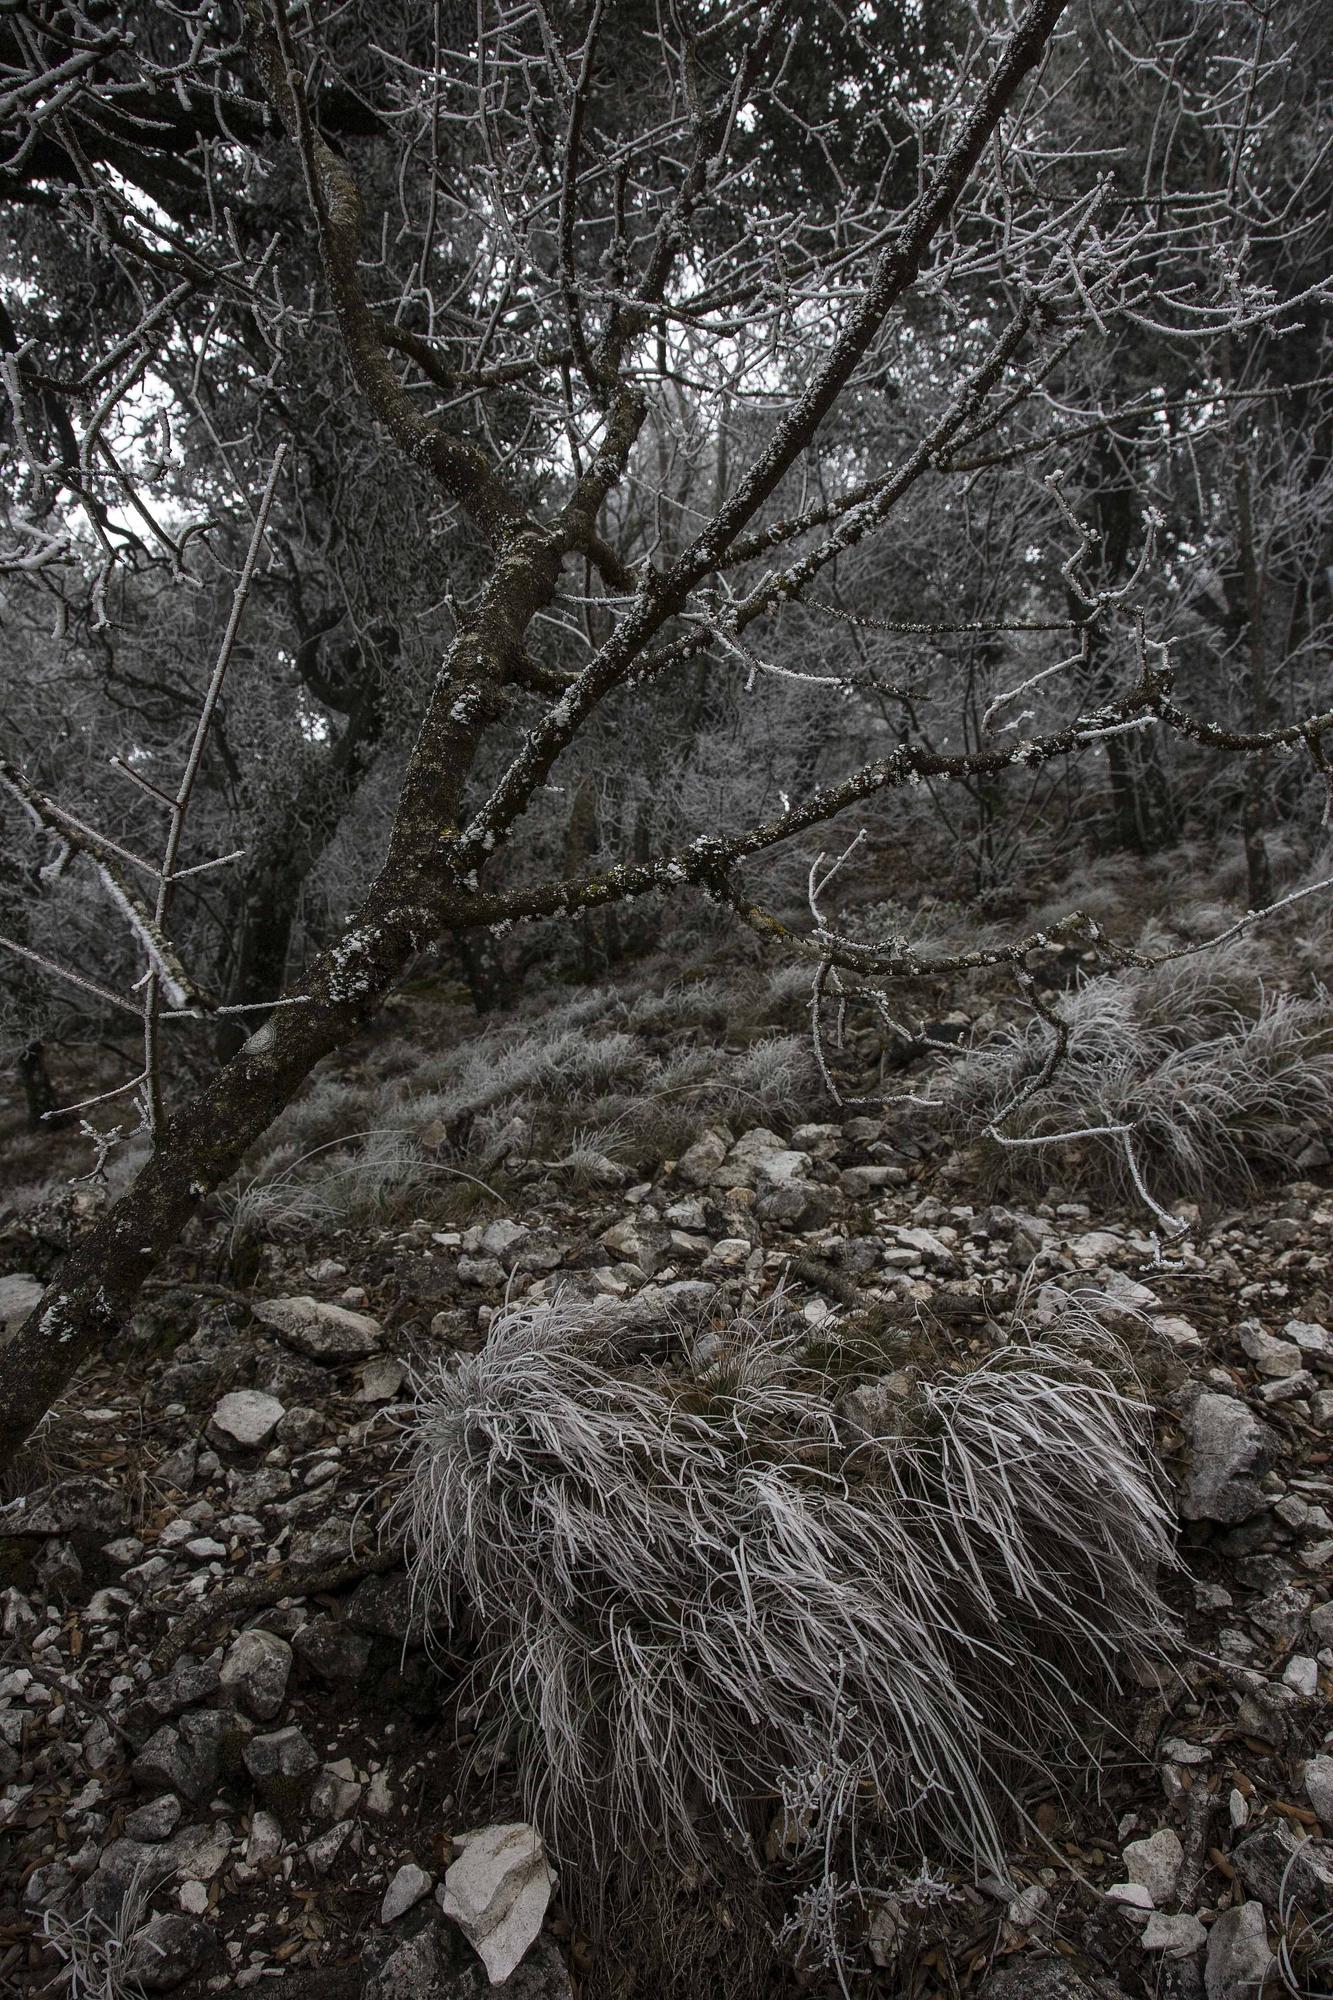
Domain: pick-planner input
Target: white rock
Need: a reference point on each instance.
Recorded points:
(1185, 1338)
(1302, 1673)
(1229, 1451)
(323, 1851)
(193, 1898)
(1178, 1937)
(924, 1242)
(1029, 1906)
(1238, 1955)
(408, 1886)
(1319, 1788)
(1274, 1358)
(497, 1892)
(248, 1416)
(495, 1239)
(1096, 1247)
(730, 1253)
(784, 1165)
(754, 1144)
(265, 1839)
(381, 1379)
(1133, 1898)
(255, 1672)
(698, 1164)
(1310, 1337)
(379, 1797)
(1182, 1752)
(1155, 1862)
(323, 1332)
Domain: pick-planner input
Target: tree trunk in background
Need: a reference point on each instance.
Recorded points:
(1254, 810)
(39, 1093)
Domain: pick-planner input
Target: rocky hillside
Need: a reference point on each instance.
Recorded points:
(235, 1756)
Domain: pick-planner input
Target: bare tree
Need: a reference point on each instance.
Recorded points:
(578, 297)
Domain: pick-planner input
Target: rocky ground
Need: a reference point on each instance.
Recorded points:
(230, 1761)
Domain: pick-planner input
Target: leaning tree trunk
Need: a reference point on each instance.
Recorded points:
(410, 904)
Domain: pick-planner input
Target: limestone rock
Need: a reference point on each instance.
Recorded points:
(1230, 1450)
(1155, 1862)
(1319, 1789)
(1178, 1937)
(698, 1165)
(247, 1417)
(282, 1765)
(255, 1672)
(166, 1951)
(1238, 1954)
(1274, 1358)
(497, 1892)
(408, 1886)
(325, 1333)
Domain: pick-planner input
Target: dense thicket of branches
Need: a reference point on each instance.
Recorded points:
(472, 468)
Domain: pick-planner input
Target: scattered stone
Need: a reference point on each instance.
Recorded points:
(187, 1684)
(1185, 1338)
(1310, 1337)
(417, 1970)
(155, 1820)
(331, 1651)
(86, 1508)
(166, 1951)
(1274, 1358)
(1319, 1789)
(485, 1271)
(382, 1605)
(265, 1841)
(246, 1417)
(1097, 1247)
(502, 1239)
(1155, 1862)
(1302, 1674)
(1178, 1937)
(183, 1757)
(638, 1242)
(497, 1892)
(255, 1672)
(700, 1162)
(336, 1793)
(1238, 1954)
(1133, 1898)
(282, 1765)
(322, 1332)
(381, 1379)
(323, 1851)
(406, 1889)
(1230, 1450)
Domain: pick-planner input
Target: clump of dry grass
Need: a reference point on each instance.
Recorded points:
(708, 1602)
(1218, 1077)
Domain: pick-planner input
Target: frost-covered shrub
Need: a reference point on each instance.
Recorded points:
(777, 1074)
(1220, 1077)
(714, 1603)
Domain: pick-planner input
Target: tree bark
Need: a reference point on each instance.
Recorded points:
(39, 1093)
(409, 905)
